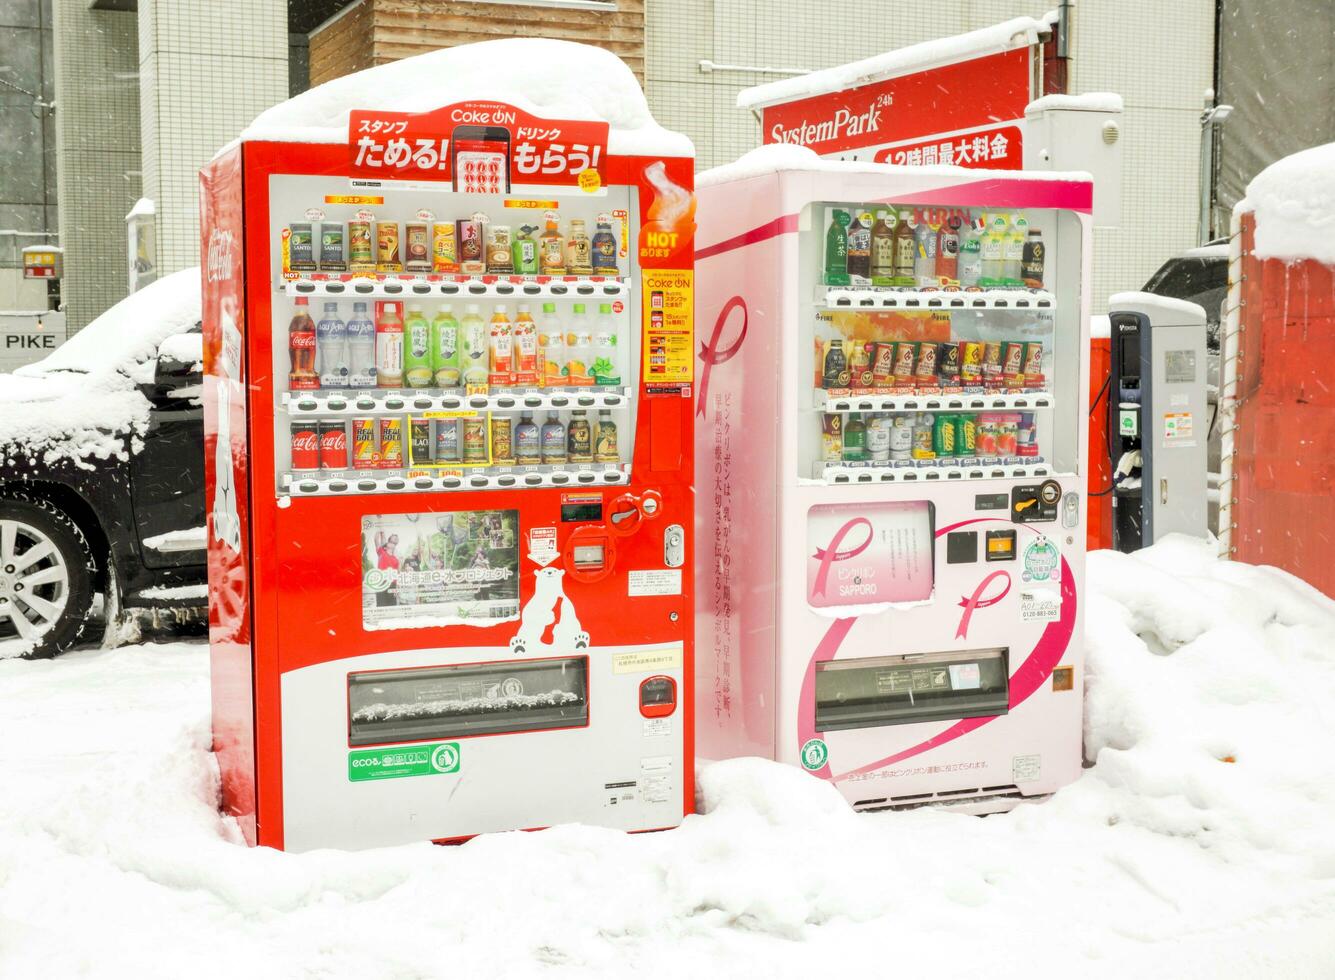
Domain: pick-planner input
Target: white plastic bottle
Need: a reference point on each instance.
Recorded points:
(924, 256)
(971, 255)
(606, 368)
(551, 347)
(579, 348)
(475, 346)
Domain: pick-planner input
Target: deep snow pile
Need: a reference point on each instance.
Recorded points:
(549, 78)
(83, 399)
(1162, 860)
(1294, 201)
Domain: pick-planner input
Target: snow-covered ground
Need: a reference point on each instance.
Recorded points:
(1201, 843)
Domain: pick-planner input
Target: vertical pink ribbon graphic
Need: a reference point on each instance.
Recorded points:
(710, 352)
(976, 601)
(829, 555)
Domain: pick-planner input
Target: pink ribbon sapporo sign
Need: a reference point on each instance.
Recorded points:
(978, 601)
(862, 554)
(711, 354)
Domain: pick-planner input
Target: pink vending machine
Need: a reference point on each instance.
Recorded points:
(890, 455)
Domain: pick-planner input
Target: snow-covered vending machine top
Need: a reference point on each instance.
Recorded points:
(448, 332)
(890, 446)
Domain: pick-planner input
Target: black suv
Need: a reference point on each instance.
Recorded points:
(102, 474)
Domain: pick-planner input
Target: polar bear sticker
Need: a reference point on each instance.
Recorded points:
(548, 622)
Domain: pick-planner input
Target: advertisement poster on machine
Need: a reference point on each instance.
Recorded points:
(941, 115)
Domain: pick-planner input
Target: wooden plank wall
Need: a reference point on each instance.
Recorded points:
(388, 30)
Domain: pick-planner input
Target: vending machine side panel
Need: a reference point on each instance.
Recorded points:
(737, 456)
(226, 485)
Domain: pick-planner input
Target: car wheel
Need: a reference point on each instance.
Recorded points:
(46, 578)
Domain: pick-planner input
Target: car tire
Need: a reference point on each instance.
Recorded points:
(47, 577)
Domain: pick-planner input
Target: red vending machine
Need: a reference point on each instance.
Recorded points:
(449, 441)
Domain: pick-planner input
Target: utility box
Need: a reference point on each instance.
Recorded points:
(1080, 132)
(1158, 410)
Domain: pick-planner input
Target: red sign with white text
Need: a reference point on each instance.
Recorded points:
(912, 112)
(477, 143)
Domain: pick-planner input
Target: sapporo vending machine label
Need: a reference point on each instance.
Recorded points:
(397, 761)
(668, 298)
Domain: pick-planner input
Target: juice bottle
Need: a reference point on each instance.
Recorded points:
(579, 250)
(905, 250)
(551, 347)
(445, 349)
(882, 265)
(605, 441)
(551, 248)
(502, 347)
(948, 251)
(525, 334)
(859, 248)
(525, 251)
(924, 254)
(389, 347)
(417, 372)
(605, 250)
(971, 256)
(1012, 251)
(474, 347)
(836, 249)
(605, 370)
(579, 347)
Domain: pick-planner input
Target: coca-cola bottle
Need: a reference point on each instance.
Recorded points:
(301, 347)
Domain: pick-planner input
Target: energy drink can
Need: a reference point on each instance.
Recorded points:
(502, 440)
(420, 441)
(444, 256)
(966, 435)
(361, 247)
(365, 452)
(948, 363)
(300, 247)
(387, 247)
(418, 241)
(332, 255)
(447, 441)
(1026, 440)
(475, 440)
(391, 443)
(944, 435)
(971, 363)
(928, 353)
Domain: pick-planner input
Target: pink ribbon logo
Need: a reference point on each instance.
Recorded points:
(828, 556)
(710, 352)
(976, 601)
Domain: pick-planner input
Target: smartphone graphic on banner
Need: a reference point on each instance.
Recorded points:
(480, 159)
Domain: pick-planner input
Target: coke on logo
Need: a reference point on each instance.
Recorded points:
(305, 445)
(333, 446)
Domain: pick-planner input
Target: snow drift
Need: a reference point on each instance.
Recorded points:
(1197, 845)
(1294, 201)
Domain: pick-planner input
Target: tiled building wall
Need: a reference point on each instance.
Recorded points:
(97, 150)
(206, 69)
(1159, 57)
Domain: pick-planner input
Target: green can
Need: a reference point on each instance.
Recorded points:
(945, 435)
(966, 434)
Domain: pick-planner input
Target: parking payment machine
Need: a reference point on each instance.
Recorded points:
(449, 427)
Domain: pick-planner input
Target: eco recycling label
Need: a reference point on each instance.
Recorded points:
(1041, 561)
(397, 761)
(815, 753)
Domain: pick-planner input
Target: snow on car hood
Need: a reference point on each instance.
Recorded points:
(83, 399)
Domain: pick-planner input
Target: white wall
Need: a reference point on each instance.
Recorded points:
(1158, 56)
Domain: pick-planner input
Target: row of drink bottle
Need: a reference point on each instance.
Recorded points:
(886, 437)
(497, 440)
(469, 246)
(890, 247)
(445, 351)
